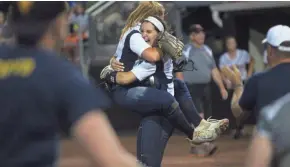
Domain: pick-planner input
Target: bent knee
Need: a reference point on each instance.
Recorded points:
(167, 99)
(170, 108)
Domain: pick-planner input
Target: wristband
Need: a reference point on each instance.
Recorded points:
(112, 77)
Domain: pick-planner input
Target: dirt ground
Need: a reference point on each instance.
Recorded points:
(230, 153)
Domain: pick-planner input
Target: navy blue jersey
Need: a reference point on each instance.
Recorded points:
(39, 93)
(265, 87)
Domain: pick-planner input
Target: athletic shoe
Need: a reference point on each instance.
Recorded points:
(219, 125)
(203, 150)
(208, 130)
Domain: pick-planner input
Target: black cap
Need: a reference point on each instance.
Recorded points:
(195, 28)
(30, 19)
(36, 11)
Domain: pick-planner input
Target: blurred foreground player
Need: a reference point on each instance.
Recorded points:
(270, 145)
(40, 91)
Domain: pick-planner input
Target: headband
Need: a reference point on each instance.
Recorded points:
(156, 23)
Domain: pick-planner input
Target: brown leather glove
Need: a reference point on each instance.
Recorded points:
(170, 45)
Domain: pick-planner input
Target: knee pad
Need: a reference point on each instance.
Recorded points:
(171, 108)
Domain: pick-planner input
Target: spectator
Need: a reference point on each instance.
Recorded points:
(198, 80)
(238, 57)
(264, 88)
(259, 89)
(80, 18)
(71, 44)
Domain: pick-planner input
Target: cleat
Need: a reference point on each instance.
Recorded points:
(203, 150)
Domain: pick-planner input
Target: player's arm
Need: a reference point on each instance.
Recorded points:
(248, 98)
(93, 131)
(221, 66)
(260, 152)
(251, 66)
(143, 49)
(81, 113)
(217, 77)
(261, 149)
(139, 72)
(125, 78)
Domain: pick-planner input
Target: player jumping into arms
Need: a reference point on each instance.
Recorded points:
(128, 87)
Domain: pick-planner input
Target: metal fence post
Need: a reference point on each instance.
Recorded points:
(83, 65)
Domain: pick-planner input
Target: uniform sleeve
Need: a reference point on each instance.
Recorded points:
(77, 96)
(209, 51)
(249, 96)
(138, 44)
(143, 70)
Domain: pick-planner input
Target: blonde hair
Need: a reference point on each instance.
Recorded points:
(144, 10)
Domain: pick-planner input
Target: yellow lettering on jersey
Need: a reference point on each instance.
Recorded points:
(16, 67)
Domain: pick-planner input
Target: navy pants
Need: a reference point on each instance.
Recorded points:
(155, 129)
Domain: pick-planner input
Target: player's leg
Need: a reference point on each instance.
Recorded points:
(182, 95)
(145, 100)
(153, 135)
(184, 98)
(207, 102)
(195, 91)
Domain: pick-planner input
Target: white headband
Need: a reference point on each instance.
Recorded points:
(284, 48)
(156, 23)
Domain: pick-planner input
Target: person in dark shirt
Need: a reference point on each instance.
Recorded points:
(265, 87)
(268, 93)
(41, 94)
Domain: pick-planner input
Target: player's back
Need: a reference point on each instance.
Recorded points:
(28, 106)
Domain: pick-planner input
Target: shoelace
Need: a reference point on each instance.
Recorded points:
(212, 120)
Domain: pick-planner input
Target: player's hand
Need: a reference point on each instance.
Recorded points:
(116, 65)
(224, 94)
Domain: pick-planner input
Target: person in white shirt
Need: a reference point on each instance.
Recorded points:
(238, 57)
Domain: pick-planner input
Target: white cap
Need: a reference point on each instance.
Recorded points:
(277, 35)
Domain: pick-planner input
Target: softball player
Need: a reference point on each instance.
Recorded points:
(144, 100)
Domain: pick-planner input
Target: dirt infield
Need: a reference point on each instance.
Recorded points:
(231, 153)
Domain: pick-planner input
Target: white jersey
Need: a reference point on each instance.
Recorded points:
(129, 51)
(168, 69)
